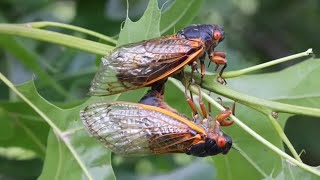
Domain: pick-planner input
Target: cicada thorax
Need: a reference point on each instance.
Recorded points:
(207, 33)
(211, 36)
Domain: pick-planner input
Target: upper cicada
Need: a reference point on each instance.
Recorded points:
(153, 128)
(141, 64)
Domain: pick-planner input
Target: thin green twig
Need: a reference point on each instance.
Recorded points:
(232, 74)
(251, 101)
(55, 37)
(284, 137)
(267, 112)
(44, 24)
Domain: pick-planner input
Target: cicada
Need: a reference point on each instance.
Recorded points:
(153, 128)
(141, 64)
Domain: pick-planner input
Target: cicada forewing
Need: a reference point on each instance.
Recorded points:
(141, 64)
(136, 129)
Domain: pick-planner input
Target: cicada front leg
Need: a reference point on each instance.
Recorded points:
(194, 67)
(219, 58)
(223, 117)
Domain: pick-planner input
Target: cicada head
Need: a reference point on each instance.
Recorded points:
(214, 143)
(211, 147)
(211, 34)
(217, 33)
(224, 142)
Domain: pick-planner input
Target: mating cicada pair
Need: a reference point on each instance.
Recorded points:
(151, 126)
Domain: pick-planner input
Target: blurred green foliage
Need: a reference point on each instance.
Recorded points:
(257, 31)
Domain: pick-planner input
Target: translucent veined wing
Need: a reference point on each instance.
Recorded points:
(130, 128)
(140, 64)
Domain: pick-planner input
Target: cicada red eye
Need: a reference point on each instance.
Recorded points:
(217, 35)
(221, 141)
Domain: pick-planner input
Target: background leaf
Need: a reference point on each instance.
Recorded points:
(149, 22)
(59, 161)
(22, 127)
(179, 15)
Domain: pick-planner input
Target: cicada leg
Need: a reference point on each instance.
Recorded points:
(209, 105)
(223, 117)
(219, 58)
(192, 105)
(194, 67)
(203, 69)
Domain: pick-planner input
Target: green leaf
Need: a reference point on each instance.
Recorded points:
(146, 28)
(294, 85)
(251, 156)
(179, 15)
(290, 172)
(70, 151)
(22, 127)
(288, 85)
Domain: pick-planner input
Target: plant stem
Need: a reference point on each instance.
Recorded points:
(55, 37)
(220, 89)
(278, 128)
(232, 74)
(250, 160)
(44, 24)
(55, 128)
(284, 137)
(251, 132)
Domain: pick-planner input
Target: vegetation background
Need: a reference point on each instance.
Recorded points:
(256, 31)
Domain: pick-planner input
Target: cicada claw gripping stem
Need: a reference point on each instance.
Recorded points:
(219, 58)
(222, 117)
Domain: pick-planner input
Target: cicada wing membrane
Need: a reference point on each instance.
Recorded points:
(128, 128)
(173, 143)
(140, 64)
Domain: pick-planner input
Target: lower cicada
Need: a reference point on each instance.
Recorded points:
(141, 64)
(137, 129)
